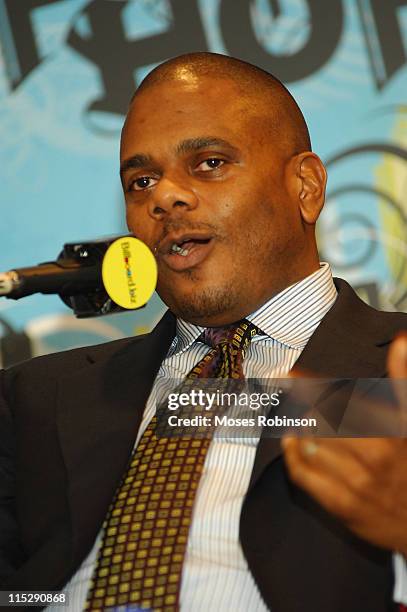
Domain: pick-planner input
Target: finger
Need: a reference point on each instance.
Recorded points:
(397, 357)
(332, 494)
(397, 368)
(338, 461)
(331, 459)
(376, 454)
(367, 450)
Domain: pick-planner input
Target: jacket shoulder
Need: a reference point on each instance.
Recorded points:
(58, 364)
(364, 319)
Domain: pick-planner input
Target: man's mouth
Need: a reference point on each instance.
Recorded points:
(181, 252)
(184, 248)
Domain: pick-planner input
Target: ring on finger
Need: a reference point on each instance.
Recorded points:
(310, 448)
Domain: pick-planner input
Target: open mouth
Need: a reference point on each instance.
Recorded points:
(186, 246)
(186, 251)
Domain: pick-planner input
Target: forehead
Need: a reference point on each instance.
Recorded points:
(168, 112)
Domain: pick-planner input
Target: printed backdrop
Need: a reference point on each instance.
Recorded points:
(68, 69)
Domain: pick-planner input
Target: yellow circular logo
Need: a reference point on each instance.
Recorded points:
(129, 272)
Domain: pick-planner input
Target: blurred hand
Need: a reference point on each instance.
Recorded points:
(362, 481)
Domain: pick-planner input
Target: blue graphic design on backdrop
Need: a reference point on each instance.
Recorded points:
(68, 69)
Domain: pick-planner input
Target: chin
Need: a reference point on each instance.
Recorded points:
(200, 303)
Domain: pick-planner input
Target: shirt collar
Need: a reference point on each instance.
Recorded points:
(290, 317)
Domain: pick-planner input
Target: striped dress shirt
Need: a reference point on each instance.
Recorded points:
(215, 572)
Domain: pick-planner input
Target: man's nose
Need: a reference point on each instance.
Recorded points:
(169, 197)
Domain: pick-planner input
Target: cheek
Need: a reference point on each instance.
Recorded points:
(139, 224)
(256, 214)
(130, 216)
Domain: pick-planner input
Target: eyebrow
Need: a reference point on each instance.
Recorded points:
(202, 142)
(141, 160)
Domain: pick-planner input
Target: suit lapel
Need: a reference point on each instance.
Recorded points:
(99, 412)
(345, 345)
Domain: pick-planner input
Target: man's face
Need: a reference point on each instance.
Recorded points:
(207, 190)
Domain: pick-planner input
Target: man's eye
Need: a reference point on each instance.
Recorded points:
(210, 164)
(144, 182)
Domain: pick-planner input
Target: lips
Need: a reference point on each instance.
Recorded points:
(191, 249)
(192, 237)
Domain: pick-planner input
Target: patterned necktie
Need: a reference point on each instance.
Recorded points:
(146, 529)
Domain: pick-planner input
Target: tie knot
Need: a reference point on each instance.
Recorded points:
(238, 335)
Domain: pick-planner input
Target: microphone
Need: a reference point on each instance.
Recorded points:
(64, 276)
(93, 277)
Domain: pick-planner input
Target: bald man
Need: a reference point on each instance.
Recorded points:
(220, 181)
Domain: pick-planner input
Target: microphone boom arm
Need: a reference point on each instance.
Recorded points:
(76, 276)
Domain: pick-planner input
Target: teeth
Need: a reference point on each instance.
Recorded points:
(177, 249)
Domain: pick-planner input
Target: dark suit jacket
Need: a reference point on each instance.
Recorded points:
(67, 427)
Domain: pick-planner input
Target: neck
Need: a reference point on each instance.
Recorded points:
(246, 306)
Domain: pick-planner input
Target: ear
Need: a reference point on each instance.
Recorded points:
(310, 185)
